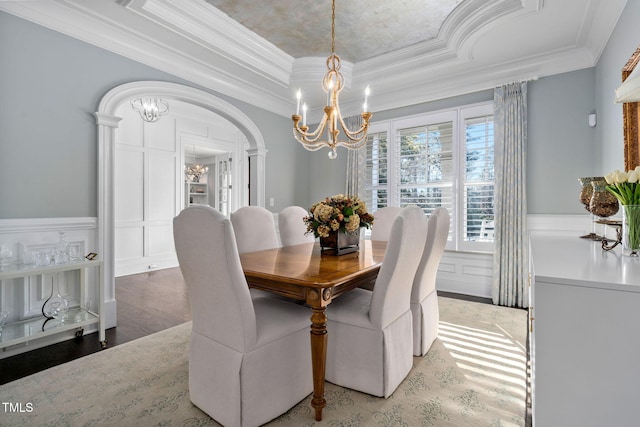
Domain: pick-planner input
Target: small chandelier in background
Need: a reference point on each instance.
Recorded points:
(150, 109)
(195, 171)
(332, 84)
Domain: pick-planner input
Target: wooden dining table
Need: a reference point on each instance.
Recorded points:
(306, 274)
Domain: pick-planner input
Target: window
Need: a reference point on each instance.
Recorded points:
(437, 159)
(376, 169)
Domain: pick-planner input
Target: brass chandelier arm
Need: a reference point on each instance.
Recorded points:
(357, 134)
(301, 131)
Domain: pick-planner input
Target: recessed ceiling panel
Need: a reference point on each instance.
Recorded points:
(364, 28)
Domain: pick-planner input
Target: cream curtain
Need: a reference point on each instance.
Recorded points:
(511, 254)
(355, 162)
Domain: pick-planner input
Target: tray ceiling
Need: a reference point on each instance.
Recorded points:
(407, 51)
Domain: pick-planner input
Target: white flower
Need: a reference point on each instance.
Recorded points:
(619, 177)
(633, 176)
(609, 178)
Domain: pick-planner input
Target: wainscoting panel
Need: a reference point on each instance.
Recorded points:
(468, 273)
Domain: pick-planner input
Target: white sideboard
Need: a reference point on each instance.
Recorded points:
(586, 333)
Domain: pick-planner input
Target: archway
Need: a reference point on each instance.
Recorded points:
(107, 122)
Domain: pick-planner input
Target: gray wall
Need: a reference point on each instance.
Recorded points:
(560, 145)
(624, 40)
(50, 86)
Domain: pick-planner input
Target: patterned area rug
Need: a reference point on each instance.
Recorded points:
(474, 375)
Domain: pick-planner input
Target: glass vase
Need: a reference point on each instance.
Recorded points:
(586, 191)
(602, 203)
(631, 230)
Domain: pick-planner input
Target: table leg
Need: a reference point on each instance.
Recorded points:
(318, 358)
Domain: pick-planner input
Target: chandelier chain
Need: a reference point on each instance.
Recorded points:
(333, 26)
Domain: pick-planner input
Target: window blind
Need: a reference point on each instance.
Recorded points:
(376, 169)
(425, 166)
(440, 159)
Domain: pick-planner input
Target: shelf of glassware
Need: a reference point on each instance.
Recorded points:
(76, 317)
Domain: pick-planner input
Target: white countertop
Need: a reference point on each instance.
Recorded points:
(580, 262)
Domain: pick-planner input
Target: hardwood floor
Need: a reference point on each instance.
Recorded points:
(147, 303)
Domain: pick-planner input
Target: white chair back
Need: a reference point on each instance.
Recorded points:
(382, 222)
(424, 297)
(221, 305)
(425, 280)
(255, 229)
(392, 291)
(292, 227)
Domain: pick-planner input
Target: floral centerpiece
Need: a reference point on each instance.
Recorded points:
(337, 221)
(625, 187)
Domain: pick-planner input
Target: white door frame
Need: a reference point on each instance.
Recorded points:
(107, 121)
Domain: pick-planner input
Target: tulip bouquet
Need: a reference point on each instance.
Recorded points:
(626, 188)
(624, 185)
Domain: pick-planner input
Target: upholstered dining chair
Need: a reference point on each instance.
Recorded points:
(249, 359)
(370, 339)
(255, 229)
(292, 227)
(382, 221)
(424, 298)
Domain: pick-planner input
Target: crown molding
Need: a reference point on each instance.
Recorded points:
(198, 43)
(453, 82)
(598, 25)
(454, 42)
(202, 24)
(111, 26)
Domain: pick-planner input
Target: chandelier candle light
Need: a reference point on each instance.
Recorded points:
(332, 84)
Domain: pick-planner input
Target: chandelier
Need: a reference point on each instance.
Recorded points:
(195, 171)
(332, 121)
(150, 109)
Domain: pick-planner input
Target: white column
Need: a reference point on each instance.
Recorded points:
(106, 221)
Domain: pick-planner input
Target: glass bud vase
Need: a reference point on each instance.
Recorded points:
(631, 230)
(61, 250)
